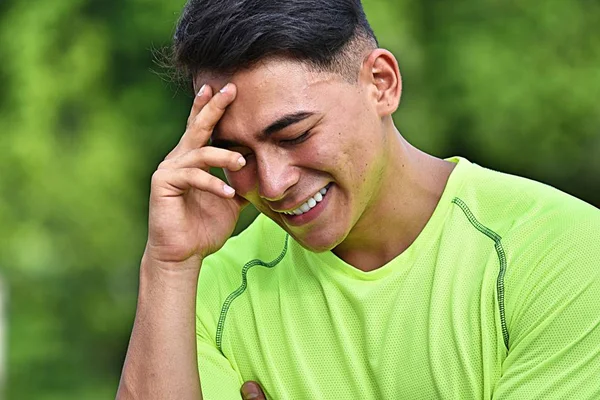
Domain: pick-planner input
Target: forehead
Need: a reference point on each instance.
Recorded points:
(270, 90)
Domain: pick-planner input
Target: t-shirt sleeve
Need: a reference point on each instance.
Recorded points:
(554, 321)
(218, 379)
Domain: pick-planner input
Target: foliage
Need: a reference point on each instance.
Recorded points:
(84, 122)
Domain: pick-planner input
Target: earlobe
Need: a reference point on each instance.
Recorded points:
(384, 76)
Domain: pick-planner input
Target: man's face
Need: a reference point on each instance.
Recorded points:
(314, 145)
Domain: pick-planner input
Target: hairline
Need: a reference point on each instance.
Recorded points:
(353, 52)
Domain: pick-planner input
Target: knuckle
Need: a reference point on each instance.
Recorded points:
(200, 156)
(220, 104)
(202, 152)
(201, 123)
(190, 173)
(168, 156)
(215, 182)
(158, 176)
(165, 163)
(216, 107)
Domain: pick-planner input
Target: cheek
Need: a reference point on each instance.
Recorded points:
(243, 181)
(357, 159)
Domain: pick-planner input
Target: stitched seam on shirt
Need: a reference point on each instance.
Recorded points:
(239, 291)
(501, 256)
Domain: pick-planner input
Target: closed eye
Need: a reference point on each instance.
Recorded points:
(298, 139)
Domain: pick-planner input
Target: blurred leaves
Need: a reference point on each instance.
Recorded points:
(84, 122)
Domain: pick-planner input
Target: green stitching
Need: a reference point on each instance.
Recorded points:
(501, 256)
(238, 292)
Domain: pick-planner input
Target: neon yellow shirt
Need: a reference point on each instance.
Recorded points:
(497, 298)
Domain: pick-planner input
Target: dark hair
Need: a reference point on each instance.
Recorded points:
(225, 36)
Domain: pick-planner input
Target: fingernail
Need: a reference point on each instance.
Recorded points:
(250, 392)
(242, 161)
(224, 89)
(201, 91)
(228, 190)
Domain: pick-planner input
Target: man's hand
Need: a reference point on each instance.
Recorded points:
(252, 391)
(193, 213)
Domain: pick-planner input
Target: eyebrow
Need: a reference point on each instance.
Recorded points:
(287, 120)
(278, 125)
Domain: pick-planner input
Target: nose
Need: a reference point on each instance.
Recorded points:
(275, 177)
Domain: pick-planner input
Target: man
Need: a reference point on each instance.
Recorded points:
(375, 271)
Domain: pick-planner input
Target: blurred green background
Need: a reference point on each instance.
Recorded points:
(84, 121)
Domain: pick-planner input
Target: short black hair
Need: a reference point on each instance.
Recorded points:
(226, 36)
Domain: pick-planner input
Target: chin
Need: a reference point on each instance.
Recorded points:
(319, 242)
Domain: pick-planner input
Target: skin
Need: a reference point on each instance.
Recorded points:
(383, 191)
(191, 215)
(380, 183)
(252, 391)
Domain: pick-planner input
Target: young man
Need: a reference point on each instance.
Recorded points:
(375, 271)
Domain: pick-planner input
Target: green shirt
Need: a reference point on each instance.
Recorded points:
(498, 297)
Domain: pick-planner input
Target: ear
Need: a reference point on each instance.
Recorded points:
(381, 74)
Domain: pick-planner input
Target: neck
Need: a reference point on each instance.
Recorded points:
(411, 188)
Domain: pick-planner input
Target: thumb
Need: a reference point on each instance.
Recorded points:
(252, 391)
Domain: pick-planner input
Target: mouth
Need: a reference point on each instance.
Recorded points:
(310, 209)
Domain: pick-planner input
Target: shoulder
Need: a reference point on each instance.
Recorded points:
(550, 240)
(549, 243)
(532, 220)
(513, 206)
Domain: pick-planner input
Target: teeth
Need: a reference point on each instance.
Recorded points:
(310, 203)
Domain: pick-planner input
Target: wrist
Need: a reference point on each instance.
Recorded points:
(179, 274)
(157, 258)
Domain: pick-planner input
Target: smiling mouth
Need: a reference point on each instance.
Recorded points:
(310, 203)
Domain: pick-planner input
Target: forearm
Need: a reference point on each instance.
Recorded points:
(161, 359)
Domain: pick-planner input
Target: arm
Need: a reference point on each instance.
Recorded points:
(192, 214)
(161, 359)
(554, 325)
(218, 378)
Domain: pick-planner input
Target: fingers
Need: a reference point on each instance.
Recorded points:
(202, 97)
(206, 157)
(204, 116)
(204, 123)
(187, 165)
(252, 391)
(174, 182)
